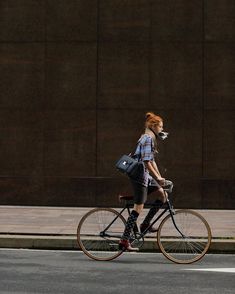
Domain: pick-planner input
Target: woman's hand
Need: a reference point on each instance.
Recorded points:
(161, 181)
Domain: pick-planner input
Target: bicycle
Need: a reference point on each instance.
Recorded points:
(183, 236)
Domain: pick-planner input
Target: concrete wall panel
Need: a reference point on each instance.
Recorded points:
(22, 20)
(219, 76)
(219, 20)
(72, 20)
(70, 143)
(22, 190)
(179, 20)
(176, 75)
(123, 75)
(74, 191)
(219, 140)
(22, 76)
(71, 76)
(21, 148)
(124, 20)
(218, 193)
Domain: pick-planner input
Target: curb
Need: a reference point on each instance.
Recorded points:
(38, 242)
(70, 242)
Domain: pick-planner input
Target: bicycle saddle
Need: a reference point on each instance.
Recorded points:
(125, 197)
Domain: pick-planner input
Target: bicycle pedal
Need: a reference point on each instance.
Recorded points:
(121, 248)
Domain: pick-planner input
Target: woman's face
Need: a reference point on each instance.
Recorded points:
(158, 127)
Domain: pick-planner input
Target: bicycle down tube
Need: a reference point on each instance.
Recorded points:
(104, 234)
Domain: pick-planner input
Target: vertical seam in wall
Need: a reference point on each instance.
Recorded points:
(97, 87)
(96, 104)
(45, 88)
(150, 51)
(203, 97)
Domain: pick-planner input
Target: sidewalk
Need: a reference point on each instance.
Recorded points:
(55, 227)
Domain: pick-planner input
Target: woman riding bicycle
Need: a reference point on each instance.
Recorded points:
(148, 181)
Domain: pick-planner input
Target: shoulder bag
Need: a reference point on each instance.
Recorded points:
(129, 165)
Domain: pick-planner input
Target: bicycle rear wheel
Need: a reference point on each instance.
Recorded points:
(195, 241)
(99, 232)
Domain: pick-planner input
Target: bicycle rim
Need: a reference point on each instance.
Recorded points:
(188, 248)
(90, 238)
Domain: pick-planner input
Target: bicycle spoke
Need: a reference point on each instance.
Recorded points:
(194, 244)
(99, 232)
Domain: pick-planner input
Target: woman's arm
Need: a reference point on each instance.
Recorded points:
(156, 168)
(154, 172)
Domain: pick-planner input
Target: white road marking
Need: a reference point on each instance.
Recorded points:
(219, 270)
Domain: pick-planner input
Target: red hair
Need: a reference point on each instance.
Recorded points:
(152, 119)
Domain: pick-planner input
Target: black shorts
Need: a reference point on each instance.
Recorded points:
(141, 192)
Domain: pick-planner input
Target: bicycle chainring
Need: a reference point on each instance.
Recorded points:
(137, 240)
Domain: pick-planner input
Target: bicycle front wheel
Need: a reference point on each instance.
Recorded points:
(187, 240)
(99, 232)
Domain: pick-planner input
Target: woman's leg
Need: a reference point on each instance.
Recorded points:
(161, 196)
(138, 207)
(131, 221)
(140, 195)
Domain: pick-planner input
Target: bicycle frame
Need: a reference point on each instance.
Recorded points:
(101, 229)
(127, 206)
(104, 234)
(171, 211)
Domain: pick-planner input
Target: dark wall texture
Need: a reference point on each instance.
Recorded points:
(77, 77)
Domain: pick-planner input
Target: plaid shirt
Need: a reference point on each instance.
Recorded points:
(145, 152)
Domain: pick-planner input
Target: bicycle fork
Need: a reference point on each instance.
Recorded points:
(172, 213)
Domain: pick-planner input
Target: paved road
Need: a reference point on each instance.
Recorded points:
(31, 271)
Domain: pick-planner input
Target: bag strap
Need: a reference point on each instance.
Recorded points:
(133, 152)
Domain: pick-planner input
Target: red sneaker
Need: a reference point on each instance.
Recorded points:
(126, 245)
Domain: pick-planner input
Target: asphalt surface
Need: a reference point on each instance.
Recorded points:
(35, 271)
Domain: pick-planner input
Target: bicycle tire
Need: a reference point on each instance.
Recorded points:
(195, 243)
(89, 233)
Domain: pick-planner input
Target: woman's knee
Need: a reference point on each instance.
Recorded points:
(162, 195)
(138, 207)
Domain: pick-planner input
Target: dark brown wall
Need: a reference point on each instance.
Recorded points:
(77, 77)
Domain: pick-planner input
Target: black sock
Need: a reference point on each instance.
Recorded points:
(152, 211)
(130, 224)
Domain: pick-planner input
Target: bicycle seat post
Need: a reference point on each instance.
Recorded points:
(128, 202)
